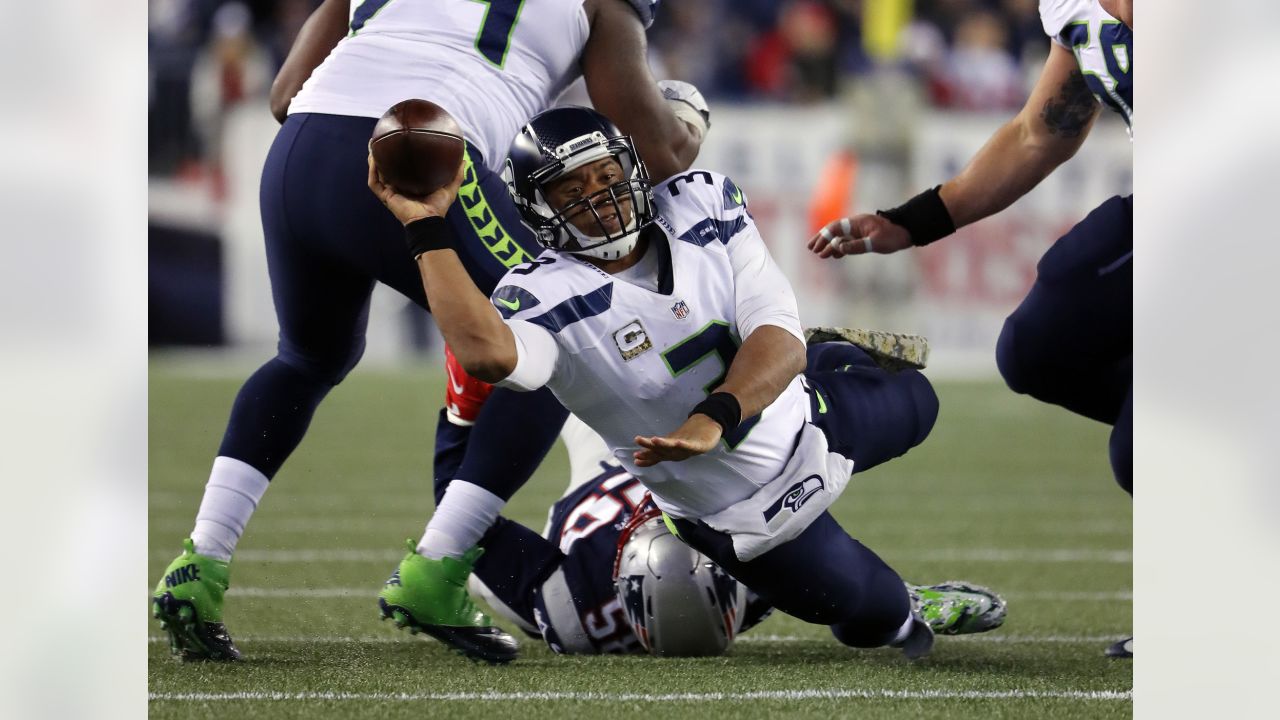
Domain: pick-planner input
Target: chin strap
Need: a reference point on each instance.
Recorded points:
(613, 249)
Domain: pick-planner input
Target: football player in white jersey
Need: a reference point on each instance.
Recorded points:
(658, 317)
(491, 65)
(1070, 342)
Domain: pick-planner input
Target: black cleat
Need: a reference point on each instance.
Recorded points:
(190, 638)
(430, 596)
(489, 644)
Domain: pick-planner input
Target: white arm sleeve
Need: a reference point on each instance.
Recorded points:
(536, 356)
(762, 294)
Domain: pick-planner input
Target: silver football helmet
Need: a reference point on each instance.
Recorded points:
(678, 602)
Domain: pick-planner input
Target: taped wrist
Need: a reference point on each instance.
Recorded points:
(924, 216)
(723, 408)
(427, 234)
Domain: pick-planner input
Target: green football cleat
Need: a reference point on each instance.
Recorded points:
(957, 608)
(430, 596)
(188, 603)
(891, 351)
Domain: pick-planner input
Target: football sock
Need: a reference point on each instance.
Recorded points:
(230, 497)
(506, 445)
(461, 519)
(451, 448)
(903, 632)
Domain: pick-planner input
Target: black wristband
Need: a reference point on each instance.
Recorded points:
(924, 216)
(722, 407)
(427, 234)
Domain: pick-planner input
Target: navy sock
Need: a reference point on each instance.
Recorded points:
(512, 435)
(451, 448)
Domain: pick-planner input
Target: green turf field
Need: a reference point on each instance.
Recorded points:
(1005, 492)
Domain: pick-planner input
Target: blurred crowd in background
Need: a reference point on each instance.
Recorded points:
(207, 56)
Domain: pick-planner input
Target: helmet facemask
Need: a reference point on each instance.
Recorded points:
(631, 196)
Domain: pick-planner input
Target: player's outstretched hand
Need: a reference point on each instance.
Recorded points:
(858, 235)
(697, 435)
(407, 209)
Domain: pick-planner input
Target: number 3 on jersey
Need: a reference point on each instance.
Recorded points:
(492, 40)
(712, 339)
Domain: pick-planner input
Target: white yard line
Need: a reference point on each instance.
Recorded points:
(816, 694)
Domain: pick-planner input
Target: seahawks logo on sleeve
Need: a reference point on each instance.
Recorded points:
(733, 195)
(511, 299)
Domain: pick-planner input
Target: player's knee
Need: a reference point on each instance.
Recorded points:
(329, 366)
(880, 615)
(1010, 361)
(923, 399)
(1122, 455)
(862, 635)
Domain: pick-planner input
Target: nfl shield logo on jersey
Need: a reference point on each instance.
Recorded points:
(680, 310)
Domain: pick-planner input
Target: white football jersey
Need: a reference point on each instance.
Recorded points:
(1103, 47)
(630, 361)
(492, 65)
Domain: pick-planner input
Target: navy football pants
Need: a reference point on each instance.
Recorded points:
(328, 240)
(825, 576)
(1070, 342)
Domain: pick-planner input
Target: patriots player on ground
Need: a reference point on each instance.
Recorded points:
(560, 585)
(491, 65)
(575, 590)
(659, 318)
(1070, 342)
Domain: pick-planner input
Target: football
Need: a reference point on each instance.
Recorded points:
(416, 147)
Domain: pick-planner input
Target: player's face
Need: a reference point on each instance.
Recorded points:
(593, 181)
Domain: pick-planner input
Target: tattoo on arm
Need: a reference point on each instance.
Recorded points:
(1069, 113)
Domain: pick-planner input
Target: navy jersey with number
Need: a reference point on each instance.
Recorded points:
(577, 608)
(562, 585)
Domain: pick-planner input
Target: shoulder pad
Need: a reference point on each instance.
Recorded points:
(1057, 14)
(553, 291)
(701, 206)
(557, 617)
(714, 193)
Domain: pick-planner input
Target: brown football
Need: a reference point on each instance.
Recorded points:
(416, 147)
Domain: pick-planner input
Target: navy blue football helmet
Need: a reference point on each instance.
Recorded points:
(646, 9)
(562, 139)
